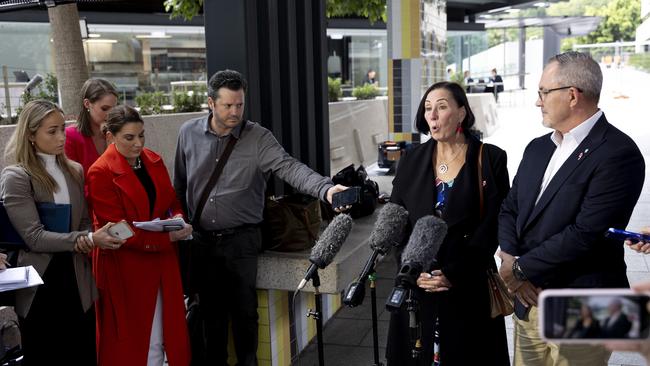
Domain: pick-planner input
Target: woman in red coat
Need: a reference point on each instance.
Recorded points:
(140, 310)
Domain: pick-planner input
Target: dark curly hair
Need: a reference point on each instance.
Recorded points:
(230, 79)
(459, 96)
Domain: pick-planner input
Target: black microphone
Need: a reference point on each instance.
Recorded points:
(419, 254)
(327, 246)
(388, 233)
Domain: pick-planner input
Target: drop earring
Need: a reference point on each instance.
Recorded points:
(459, 129)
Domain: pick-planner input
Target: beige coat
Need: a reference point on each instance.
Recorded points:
(19, 201)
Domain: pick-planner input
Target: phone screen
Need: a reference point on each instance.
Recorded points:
(596, 317)
(348, 197)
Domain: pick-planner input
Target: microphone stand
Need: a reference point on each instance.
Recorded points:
(318, 297)
(375, 332)
(414, 324)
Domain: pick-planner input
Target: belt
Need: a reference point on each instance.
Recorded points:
(225, 232)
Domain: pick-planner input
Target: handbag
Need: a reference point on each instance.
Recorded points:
(291, 222)
(501, 300)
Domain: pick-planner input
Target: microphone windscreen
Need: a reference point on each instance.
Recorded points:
(425, 241)
(331, 240)
(389, 227)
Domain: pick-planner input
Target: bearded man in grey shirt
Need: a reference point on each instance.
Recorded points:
(227, 239)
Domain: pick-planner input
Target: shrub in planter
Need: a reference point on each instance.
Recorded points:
(151, 103)
(189, 101)
(367, 91)
(334, 89)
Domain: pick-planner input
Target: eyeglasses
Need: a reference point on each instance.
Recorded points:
(543, 93)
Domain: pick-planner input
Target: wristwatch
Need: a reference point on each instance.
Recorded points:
(517, 272)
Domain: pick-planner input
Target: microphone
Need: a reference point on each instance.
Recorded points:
(327, 246)
(37, 79)
(388, 233)
(419, 254)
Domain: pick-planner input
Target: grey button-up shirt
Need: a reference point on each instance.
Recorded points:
(238, 197)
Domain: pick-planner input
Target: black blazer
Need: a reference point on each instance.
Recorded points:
(561, 240)
(466, 252)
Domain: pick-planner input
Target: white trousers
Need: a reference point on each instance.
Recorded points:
(156, 346)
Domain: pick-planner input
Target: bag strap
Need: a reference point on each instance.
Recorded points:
(215, 176)
(480, 182)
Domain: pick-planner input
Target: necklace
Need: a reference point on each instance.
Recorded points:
(137, 165)
(443, 167)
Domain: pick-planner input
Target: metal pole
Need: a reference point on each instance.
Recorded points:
(5, 78)
(375, 331)
(315, 281)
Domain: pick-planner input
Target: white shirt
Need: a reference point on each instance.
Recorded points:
(565, 146)
(61, 195)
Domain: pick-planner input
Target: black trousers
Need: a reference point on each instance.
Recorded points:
(227, 269)
(56, 329)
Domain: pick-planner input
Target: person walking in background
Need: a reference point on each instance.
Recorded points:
(42, 174)
(441, 177)
(571, 186)
(85, 141)
(140, 311)
(228, 238)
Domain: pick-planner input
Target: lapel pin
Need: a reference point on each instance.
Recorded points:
(579, 156)
(484, 183)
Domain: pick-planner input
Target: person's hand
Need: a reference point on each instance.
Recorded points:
(181, 234)
(527, 293)
(104, 240)
(336, 189)
(640, 346)
(83, 244)
(435, 281)
(640, 246)
(4, 263)
(505, 271)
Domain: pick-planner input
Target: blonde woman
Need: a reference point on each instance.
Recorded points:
(40, 172)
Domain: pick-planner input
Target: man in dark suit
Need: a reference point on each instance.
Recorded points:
(616, 325)
(571, 186)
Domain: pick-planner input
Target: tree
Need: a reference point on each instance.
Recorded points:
(69, 57)
(374, 10)
(621, 18)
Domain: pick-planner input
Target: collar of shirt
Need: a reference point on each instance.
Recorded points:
(579, 132)
(235, 131)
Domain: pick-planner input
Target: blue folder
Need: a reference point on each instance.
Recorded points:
(54, 217)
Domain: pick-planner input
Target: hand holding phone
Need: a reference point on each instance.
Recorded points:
(348, 197)
(594, 315)
(627, 235)
(121, 230)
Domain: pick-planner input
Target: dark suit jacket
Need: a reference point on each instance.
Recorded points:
(618, 329)
(465, 255)
(561, 240)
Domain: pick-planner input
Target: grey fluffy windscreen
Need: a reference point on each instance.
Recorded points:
(331, 240)
(425, 241)
(389, 227)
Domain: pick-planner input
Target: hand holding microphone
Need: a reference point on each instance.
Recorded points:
(327, 246)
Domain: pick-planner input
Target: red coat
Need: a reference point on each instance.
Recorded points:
(128, 279)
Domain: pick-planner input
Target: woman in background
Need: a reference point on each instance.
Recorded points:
(85, 141)
(64, 303)
(140, 311)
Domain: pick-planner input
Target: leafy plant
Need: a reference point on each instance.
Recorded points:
(186, 9)
(49, 90)
(458, 78)
(366, 91)
(151, 103)
(640, 61)
(188, 101)
(334, 91)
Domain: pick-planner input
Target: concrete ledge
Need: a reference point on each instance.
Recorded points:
(283, 271)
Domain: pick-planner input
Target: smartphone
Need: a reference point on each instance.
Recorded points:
(121, 230)
(172, 227)
(350, 196)
(593, 315)
(626, 235)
